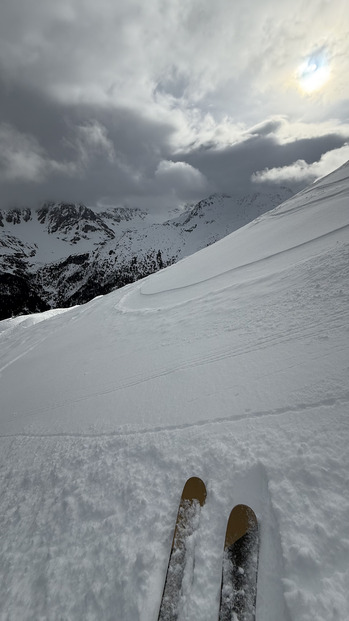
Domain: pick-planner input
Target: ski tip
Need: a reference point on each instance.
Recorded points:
(242, 520)
(195, 489)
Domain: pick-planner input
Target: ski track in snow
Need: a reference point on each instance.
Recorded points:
(239, 378)
(302, 408)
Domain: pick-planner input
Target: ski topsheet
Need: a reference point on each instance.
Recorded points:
(193, 498)
(240, 565)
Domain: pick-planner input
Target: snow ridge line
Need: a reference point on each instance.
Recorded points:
(254, 416)
(123, 309)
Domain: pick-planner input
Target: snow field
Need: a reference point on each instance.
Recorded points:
(90, 520)
(231, 365)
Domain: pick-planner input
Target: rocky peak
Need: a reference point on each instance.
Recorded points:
(73, 219)
(61, 216)
(16, 216)
(199, 209)
(123, 214)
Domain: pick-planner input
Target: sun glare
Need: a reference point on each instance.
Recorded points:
(314, 72)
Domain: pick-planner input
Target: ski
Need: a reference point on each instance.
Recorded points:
(240, 566)
(192, 499)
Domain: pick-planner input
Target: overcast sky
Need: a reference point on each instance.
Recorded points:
(155, 103)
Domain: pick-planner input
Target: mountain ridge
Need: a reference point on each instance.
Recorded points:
(63, 254)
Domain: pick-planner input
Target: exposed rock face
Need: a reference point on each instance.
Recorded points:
(72, 222)
(66, 253)
(16, 216)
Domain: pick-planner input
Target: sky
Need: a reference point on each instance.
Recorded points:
(159, 103)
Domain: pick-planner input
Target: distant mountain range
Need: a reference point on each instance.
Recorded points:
(65, 253)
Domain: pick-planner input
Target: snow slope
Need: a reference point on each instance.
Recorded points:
(65, 253)
(231, 365)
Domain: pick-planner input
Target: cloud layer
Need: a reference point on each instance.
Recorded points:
(302, 171)
(152, 102)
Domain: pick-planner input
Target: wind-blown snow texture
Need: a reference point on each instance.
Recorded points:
(231, 365)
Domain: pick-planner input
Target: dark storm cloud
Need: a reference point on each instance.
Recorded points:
(103, 152)
(231, 169)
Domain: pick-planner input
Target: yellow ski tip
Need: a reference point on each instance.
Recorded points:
(195, 489)
(241, 520)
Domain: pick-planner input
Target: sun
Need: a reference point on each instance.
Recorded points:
(314, 72)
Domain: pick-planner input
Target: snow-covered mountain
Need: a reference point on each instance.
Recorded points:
(64, 254)
(231, 365)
